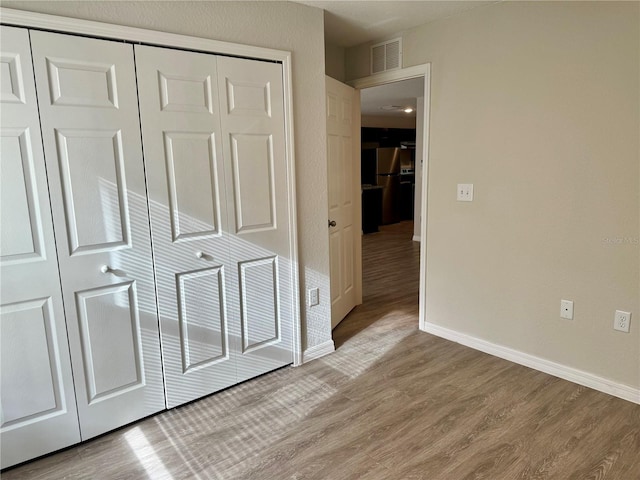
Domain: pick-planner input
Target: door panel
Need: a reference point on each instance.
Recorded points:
(36, 386)
(89, 115)
(27, 327)
(261, 275)
(82, 82)
(111, 340)
(94, 189)
(191, 166)
(21, 233)
(342, 164)
(334, 158)
(259, 307)
(180, 93)
(201, 312)
(183, 158)
(253, 182)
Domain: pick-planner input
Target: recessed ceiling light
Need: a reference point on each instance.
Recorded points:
(408, 110)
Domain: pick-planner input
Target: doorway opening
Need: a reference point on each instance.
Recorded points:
(393, 201)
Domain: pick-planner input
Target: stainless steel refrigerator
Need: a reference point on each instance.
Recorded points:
(382, 167)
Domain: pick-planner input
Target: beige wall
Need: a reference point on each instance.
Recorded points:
(358, 60)
(278, 25)
(537, 105)
(334, 61)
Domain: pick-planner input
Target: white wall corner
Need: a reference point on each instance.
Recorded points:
(565, 372)
(318, 351)
(416, 238)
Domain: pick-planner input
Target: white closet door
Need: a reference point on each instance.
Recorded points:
(181, 136)
(36, 386)
(260, 281)
(91, 134)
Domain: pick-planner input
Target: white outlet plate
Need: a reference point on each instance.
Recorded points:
(314, 296)
(622, 321)
(566, 309)
(465, 192)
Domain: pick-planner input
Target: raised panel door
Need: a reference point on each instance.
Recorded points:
(341, 164)
(184, 168)
(38, 412)
(91, 134)
(260, 280)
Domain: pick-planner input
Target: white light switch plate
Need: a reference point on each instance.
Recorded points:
(465, 192)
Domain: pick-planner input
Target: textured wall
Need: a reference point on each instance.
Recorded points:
(334, 61)
(278, 25)
(538, 105)
(357, 60)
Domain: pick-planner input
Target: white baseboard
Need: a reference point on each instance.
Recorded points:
(557, 370)
(318, 351)
(416, 238)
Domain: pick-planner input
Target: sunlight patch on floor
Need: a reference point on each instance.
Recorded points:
(353, 366)
(235, 434)
(146, 455)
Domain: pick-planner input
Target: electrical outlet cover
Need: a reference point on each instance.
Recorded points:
(314, 297)
(566, 309)
(622, 321)
(465, 192)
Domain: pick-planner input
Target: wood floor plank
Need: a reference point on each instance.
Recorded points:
(391, 403)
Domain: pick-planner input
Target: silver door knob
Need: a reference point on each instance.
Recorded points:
(204, 256)
(106, 269)
(332, 223)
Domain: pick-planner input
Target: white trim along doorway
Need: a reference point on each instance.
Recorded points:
(423, 70)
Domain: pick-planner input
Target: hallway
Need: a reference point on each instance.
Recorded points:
(390, 281)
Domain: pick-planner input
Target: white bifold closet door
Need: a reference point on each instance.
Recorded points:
(213, 135)
(91, 135)
(36, 386)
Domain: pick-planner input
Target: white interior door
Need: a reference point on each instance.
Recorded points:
(261, 286)
(343, 176)
(91, 135)
(36, 386)
(181, 137)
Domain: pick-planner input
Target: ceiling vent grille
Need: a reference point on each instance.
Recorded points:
(386, 55)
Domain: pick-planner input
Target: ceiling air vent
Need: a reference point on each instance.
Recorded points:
(386, 55)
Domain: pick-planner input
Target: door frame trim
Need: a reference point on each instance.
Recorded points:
(19, 18)
(383, 78)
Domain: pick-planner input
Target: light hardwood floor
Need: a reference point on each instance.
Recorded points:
(391, 403)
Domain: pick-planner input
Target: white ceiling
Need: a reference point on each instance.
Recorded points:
(348, 22)
(401, 94)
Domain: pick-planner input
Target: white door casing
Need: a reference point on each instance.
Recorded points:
(415, 71)
(343, 165)
(91, 133)
(36, 391)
